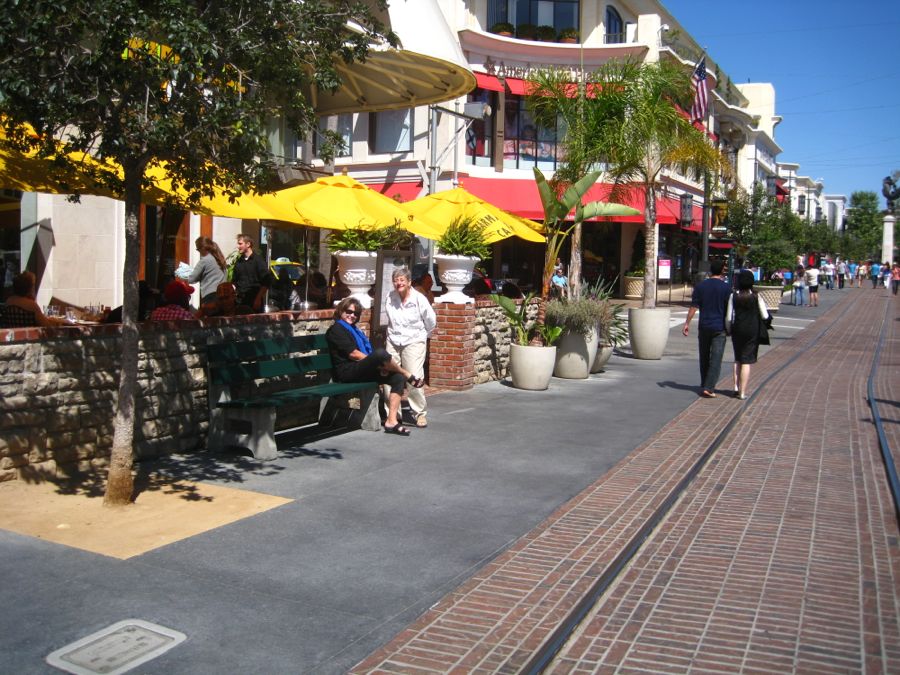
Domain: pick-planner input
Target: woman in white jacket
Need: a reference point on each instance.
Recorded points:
(743, 313)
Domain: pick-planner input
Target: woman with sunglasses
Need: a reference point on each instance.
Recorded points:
(355, 360)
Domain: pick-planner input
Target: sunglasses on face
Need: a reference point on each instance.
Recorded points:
(351, 312)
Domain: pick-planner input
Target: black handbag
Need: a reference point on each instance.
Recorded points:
(765, 325)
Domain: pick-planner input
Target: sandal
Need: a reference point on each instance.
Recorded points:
(398, 429)
(706, 393)
(421, 421)
(417, 382)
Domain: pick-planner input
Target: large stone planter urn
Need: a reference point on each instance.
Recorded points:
(356, 269)
(649, 331)
(575, 355)
(634, 287)
(771, 295)
(455, 271)
(604, 352)
(531, 367)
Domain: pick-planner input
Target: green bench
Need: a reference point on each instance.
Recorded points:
(249, 381)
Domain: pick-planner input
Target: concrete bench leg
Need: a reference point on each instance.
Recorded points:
(367, 416)
(251, 428)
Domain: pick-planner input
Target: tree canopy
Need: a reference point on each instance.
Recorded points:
(194, 84)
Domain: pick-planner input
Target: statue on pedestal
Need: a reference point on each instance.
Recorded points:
(891, 192)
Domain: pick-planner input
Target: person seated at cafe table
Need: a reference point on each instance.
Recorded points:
(21, 310)
(176, 299)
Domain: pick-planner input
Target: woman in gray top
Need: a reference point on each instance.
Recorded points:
(209, 270)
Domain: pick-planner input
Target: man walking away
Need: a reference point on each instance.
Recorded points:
(710, 297)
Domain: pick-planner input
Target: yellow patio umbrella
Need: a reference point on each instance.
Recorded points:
(341, 202)
(443, 207)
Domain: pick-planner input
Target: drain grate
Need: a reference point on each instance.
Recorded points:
(116, 649)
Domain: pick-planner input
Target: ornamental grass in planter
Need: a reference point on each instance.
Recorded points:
(532, 350)
(577, 348)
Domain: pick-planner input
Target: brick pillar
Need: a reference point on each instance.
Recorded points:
(451, 359)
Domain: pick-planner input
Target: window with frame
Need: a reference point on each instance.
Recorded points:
(525, 143)
(341, 124)
(391, 131)
(557, 13)
(615, 27)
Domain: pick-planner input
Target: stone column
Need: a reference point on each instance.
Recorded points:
(887, 239)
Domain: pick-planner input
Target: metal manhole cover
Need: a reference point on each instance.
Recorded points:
(116, 649)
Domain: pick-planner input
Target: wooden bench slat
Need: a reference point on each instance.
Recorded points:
(297, 395)
(237, 373)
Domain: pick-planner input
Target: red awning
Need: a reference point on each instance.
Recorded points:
(720, 244)
(514, 85)
(521, 198)
(406, 192)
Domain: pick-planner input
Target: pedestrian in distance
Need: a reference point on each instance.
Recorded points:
(355, 360)
(410, 323)
(710, 297)
(812, 285)
(895, 278)
(799, 284)
(885, 274)
(874, 273)
(743, 314)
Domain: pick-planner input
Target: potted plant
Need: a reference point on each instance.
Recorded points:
(634, 282)
(771, 291)
(569, 36)
(503, 28)
(526, 31)
(459, 248)
(611, 328)
(577, 345)
(545, 34)
(532, 352)
(355, 249)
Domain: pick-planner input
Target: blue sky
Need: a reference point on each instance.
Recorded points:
(836, 72)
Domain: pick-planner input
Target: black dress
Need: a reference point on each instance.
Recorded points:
(745, 327)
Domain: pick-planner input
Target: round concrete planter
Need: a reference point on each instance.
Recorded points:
(634, 288)
(357, 270)
(455, 271)
(771, 295)
(531, 367)
(575, 354)
(604, 352)
(649, 331)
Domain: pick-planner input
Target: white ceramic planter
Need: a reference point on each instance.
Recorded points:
(649, 331)
(531, 367)
(356, 269)
(455, 271)
(604, 352)
(575, 355)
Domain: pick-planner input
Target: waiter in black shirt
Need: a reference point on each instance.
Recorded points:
(251, 276)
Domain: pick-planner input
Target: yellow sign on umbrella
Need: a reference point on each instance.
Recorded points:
(443, 207)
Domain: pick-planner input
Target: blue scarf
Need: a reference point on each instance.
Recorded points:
(362, 342)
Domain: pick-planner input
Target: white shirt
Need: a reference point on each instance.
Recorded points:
(812, 277)
(410, 321)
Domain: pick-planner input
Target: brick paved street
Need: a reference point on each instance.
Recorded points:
(781, 556)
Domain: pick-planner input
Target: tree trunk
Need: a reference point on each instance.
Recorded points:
(575, 264)
(120, 481)
(649, 301)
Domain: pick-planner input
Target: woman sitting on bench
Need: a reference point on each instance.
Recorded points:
(354, 360)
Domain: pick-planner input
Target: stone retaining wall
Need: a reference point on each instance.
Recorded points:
(58, 385)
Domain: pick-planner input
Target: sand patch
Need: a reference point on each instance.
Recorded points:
(165, 511)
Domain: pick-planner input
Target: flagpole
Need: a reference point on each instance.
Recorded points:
(703, 267)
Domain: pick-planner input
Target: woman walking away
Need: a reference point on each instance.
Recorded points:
(745, 310)
(895, 278)
(209, 270)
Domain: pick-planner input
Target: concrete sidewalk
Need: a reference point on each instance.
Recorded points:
(381, 528)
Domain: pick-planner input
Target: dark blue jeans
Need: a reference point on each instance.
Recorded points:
(712, 347)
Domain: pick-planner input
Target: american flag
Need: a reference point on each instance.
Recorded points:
(701, 97)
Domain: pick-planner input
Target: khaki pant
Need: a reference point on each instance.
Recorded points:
(411, 357)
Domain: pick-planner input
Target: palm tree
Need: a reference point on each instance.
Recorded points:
(627, 116)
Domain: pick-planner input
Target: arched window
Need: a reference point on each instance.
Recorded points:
(560, 14)
(615, 28)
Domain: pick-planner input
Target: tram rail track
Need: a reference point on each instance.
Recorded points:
(544, 656)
